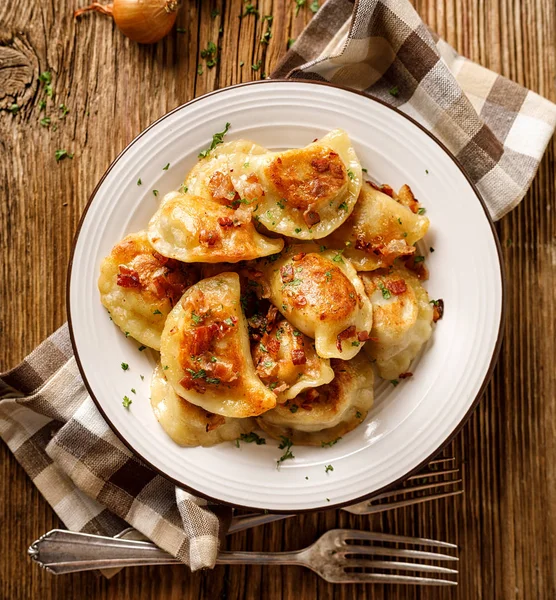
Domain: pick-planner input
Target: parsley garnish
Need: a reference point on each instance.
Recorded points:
(181, 29)
(165, 168)
(285, 445)
(356, 343)
(385, 293)
(217, 138)
(338, 257)
(298, 230)
(328, 468)
(418, 259)
(45, 121)
(155, 193)
(358, 415)
(298, 5)
(229, 322)
(139, 182)
(394, 382)
(214, 13)
(328, 276)
(209, 54)
(343, 206)
(280, 204)
(196, 318)
(249, 438)
(126, 402)
(142, 377)
(329, 444)
(250, 10)
(125, 366)
(364, 170)
(156, 312)
(65, 110)
(166, 367)
(133, 390)
(351, 174)
(200, 70)
(426, 171)
(421, 211)
(295, 282)
(256, 66)
(399, 221)
(273, 385)
(291, 42)
(60, 154)
(394, 91)
(265, 38)
(141, 348)
(314, 6)
(213, 380)
(297, 333)
(14, 108)
(42, 104)
(200, 374)
(263, 347)
(294, 408)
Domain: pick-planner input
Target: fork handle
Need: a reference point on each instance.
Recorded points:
(243, 522)
(60, 552)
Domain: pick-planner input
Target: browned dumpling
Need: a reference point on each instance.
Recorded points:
(402, 317)
(139, 287)
(188, 424)
(379, 229)
(205, 351)
(323, 414)
(287, 363)
(196, 229)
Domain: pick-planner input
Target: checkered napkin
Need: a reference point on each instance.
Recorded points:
(496, 128)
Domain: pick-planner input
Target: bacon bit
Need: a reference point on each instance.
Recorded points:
(344, 335)
(405, 375)
(250, 188)
(438, 310)
(312, 395)
(202, 338)
(311, 217)
(273, 346)
(287, 274)
(193, 384)
(320, 164)
(242, 216)
(374, 186)
(221, 187)
(363, 336)
(171, 263)
(253, 273)
(397, 286)
(209, 238)
(281, 388)
(386, 189)
(299, 301)
(299, 256)
(223, 371)
(271, 316)
(128, 277)
(299, 357)
(418, 268)
(225, 222)
(256, 337)
(406, 198)
(214, 421)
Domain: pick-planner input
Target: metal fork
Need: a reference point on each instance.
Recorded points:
(426, 483)
(338, 556)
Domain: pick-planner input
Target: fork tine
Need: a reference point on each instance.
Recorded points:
(399, 566)
(415, 488)
(378, 508)
(397, 552)
(424, 474)
(388, 578)
(371, 536)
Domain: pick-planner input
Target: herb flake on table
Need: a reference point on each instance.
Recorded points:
(214, 13)
(64, 109)
(256, 66)
(210, 54)
(394, 91)
(291, 42)
(45, 121)
(298, 5)
(61, 154)
(249, 10)
(217, 138)
(314, 6)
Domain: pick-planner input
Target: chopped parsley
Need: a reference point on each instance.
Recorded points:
(265, 38)
(45, 121)
(297, 333)
(294, 282)
(181, 29)
(125, 366)
(328, 468)
(273, 385)
(249, 438)
(294, 408)
(291, 42)
(314, 6)
(126, 333)
(210, 54)
(256, 66)
(394, 382)
(343, 206)
(399, 221)
(358, 415)
(298, 5)
(280, 204)
(214, 13)
(14, 108)
(338, 258)
(263, 347)
(229, 322)
(364, 170)
(385, 293)
(418, 258)
(250, 10)
(200, 374)
(166, 167)
(217, 138)
(242, 63)
(155, 193)
(200, 69)
(394, 91)
(196, 318)
(139, 182)
(285, 445)
(298, 230)
(284, 307)
(133, 390)
(42, 104)
(60, 154)
(156, 312)
(426, 171)
(351, 174)
(356, 343)
(183, 189)
(141, 348)
(65, 110)
(328, 276)
(329, 444)
(142, 377)
(126, 402)
(166, 367)
(214, 380)
(421, 211)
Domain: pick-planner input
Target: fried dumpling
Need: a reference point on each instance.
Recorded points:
(205, 351)
(321, 294)
(379, 229)
(322, 415)
(195, 229)
(402, 319)
(287, 363)
(190, 425)
(139, 287)
(303, 193)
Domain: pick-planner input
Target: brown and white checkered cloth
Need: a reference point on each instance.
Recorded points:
(497, 129)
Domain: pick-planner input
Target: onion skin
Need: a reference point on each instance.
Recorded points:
(143, 21)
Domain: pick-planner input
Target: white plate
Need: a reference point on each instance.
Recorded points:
(409, 423)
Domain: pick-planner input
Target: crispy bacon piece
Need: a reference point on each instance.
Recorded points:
(310, 396)
(344, 335)
(214, 421)
(189, 383)
(221, 187)
(397, 286)
(273, 346)
(405, 375)
(171, 263)
(311, 217)
(374, 185)
(225, 222)
(287, 274)
(298, 356)
(438, 310)
(128, 277)
(299, 256)
(223, 371)
(406, 198)
(386, 189)
(202, 338)
(320, 164)
(271, 316)
(209, 238)
(299, 301)
(363, 336)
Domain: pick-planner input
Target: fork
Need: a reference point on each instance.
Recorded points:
(451, 484)
(338, 556)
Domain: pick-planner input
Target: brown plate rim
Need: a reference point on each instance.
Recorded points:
(448, 439)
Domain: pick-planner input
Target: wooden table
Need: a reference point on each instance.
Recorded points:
(506, 522)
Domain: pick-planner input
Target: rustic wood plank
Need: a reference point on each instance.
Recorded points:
(506, 523)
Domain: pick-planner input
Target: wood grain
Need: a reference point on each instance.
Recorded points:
(506, 522)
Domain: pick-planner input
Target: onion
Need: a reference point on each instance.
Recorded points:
(143, 21)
